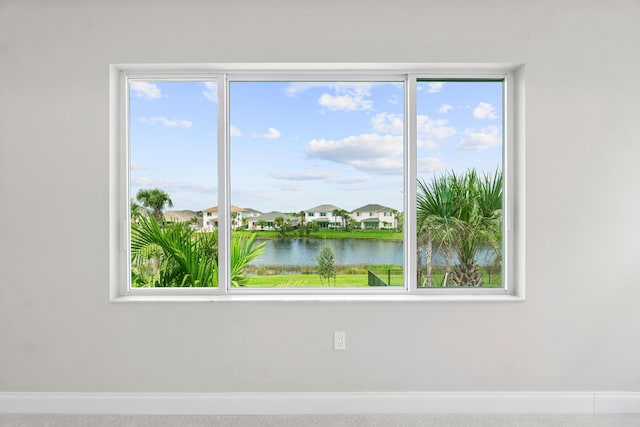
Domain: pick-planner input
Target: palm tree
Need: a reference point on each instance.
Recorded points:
(399, 216)
(461, 214)
(479, 223)
(423, 244)
(156, 200)
(302, 228)
(242, 253)
(345, 219)
(337, 213)
(435, 217)
(302, 215)
(135, 210)
(279, 223)
(185, 258)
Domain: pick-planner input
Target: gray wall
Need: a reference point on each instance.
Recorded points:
(578, 330)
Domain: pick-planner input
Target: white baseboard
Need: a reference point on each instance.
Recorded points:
(322, 403)
(617, 403)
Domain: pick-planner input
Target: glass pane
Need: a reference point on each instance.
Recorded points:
(317, 179)
(459, 199)
(172, 137)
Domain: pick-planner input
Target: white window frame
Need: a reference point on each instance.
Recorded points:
(513, 173)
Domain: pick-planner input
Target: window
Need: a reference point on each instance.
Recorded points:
(257, 152)
(460, 192)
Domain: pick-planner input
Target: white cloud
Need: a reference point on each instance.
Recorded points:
(332, 178)
(392, 100)
(187, 186)
(435, 87)
(388, 123)
(431, 164)
(294, 88)
(350, 179)
(428, 127)
(251, 195)
(480, 140)
(345, 102)
(383, 166)
(141, 181)
(484, 110)
(165, 122)
(372, 153)
(173, 186)
(301, 176)
(344, 96)
(272, 133)
(358, 147)
(146, 90)
(136, 166)
(394, 166)
(426, 144)
(211, 91)
(290, 187)
(234, 131)
(445, 108)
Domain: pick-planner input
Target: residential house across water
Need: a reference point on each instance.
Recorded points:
(367, 217)
(324, 216)
(239, 217)
(265, 221)
(374, 217)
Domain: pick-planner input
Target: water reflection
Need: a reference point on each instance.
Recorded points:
(347, 251)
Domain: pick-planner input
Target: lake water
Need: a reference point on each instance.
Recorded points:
(347, 251)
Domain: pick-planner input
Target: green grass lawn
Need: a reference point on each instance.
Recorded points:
(328, 234)
(305, 280)
(347, 275)
(342, 280)
(490, 281)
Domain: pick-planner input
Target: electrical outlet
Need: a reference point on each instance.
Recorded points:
(340, 340)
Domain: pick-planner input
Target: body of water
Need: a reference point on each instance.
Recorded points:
(347, 251)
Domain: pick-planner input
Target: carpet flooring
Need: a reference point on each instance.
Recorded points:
(355, 420)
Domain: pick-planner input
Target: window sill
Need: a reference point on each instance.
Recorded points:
(404, 298)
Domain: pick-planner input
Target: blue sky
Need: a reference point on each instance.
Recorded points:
(295, 145)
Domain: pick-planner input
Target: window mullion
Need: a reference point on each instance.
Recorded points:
(508, 162)
(125, 180)
(224, 231)
(410, 176)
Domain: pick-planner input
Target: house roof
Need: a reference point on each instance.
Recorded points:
(250, 210)
(179, 216)
(234, 208)
(271, 216)
(372, 208)
(323, 208)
